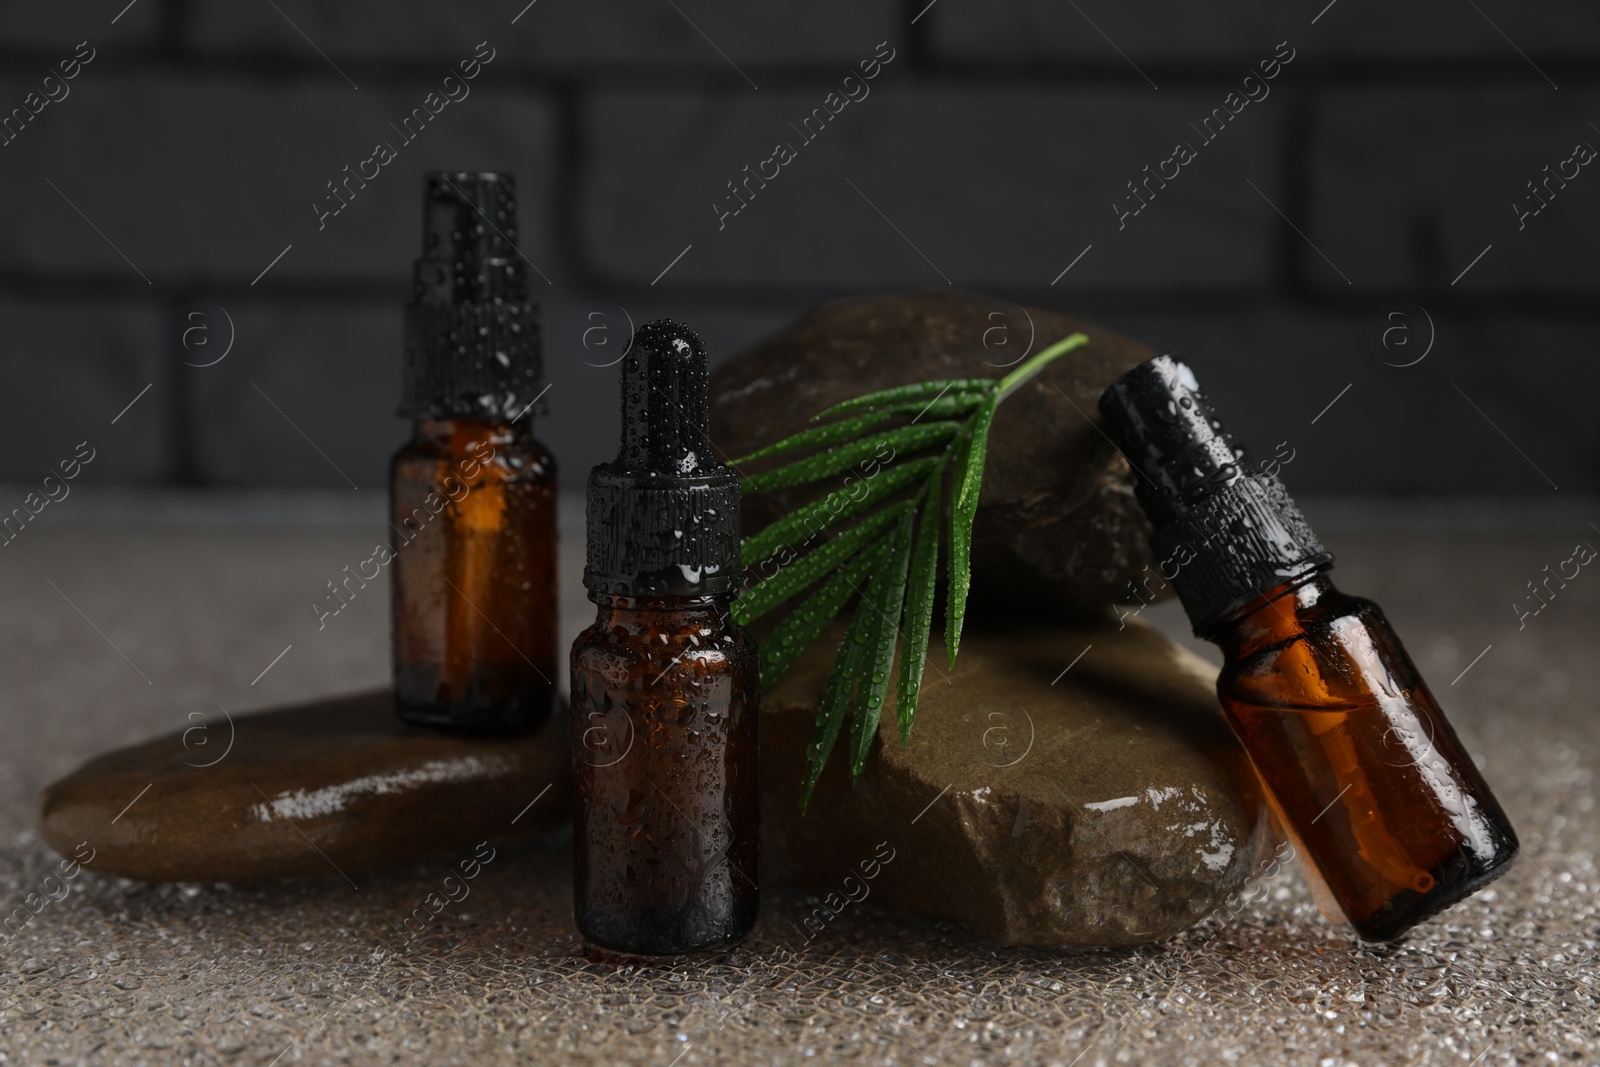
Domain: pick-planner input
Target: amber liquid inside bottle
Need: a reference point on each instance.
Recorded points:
(665, 742)
(474, 588)
(1362, 766)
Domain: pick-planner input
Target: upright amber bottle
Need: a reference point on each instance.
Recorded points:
(1356, 756)
(473, 494)
(665, 686)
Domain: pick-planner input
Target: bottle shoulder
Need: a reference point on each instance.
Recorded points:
(526, 445)
(518, 458)
(524, 457)
(662, 638)
(1340, 651)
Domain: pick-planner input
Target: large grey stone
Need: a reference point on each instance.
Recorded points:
(1105, 804)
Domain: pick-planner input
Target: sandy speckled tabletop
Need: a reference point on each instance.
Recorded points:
(125, 973)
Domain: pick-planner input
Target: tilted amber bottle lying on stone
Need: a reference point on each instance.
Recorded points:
(1357, 757)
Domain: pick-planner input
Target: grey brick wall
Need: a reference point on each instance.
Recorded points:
(1381, 164)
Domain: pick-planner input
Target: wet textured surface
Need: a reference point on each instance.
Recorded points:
(121, 973)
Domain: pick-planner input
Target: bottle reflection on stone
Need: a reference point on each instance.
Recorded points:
(473, 494)
(1357, 758)
(665, 686)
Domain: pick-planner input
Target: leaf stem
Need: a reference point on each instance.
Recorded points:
(1011, 382)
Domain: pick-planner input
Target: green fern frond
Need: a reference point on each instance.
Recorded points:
(887, 559)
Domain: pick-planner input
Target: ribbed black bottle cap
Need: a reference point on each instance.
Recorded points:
(471, 335)
(1226, 532)
(663, 518)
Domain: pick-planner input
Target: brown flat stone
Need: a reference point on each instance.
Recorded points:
(320, 789)
(1108, 804)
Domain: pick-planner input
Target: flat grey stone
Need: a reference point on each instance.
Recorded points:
(1107, 804)
(327, 788)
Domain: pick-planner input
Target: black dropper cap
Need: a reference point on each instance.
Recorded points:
(663, 518)
(1229, 529)
(471, 335)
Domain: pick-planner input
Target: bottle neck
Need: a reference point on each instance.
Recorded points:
(1271, 619)
(456, 435)
(686, 609)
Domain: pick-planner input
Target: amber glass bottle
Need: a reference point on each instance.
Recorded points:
(665, 686)
(1357, 758)
(473, 494)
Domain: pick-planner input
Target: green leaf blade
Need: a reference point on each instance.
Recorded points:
(949, 406)
(903, 394)
(805, 624)
(963, 512)
(811, 519)
(901, 439)
(800, 572)
(836, 694)
(923, 580)
(883, 598)
(817, 436)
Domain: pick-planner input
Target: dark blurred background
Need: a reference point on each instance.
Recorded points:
(186, 156)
